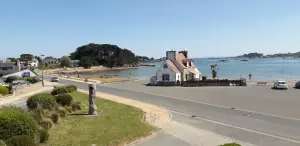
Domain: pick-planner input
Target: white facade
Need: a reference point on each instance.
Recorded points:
(33, 63)
(167, 74)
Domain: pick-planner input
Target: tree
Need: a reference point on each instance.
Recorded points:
(104, 54)
(85, 62)
(12, 59)
(214, 70)
(26, 57)
(65, 61)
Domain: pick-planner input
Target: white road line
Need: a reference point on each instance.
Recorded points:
(289, 118)
(242, 128)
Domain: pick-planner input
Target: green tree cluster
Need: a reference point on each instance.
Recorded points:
(103, 54)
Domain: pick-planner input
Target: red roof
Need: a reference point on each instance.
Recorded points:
(172, 65)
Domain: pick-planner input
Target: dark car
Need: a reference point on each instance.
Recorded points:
(297, 85)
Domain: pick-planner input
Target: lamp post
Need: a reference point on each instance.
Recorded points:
(42, 72)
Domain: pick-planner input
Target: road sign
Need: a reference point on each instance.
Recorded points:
(26, 74)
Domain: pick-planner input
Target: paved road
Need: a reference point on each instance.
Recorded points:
(256, 115)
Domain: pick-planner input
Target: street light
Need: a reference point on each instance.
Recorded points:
(42, 72)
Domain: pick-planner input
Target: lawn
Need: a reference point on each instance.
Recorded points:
(116, 125)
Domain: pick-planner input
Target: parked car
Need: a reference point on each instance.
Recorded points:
(297, 85)
(54, 79)
(281, 85)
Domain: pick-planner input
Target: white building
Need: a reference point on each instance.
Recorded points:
(176, 68)
(34, 63)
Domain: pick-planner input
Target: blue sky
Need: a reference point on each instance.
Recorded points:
(150, 27)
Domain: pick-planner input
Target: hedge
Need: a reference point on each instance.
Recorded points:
(71, 88)
(59, 90)
(4, 90)
(10, 79)
(14, 121)
(42, 100)
(32, 80)
(21, 140)
(64, 99)
(64, 89)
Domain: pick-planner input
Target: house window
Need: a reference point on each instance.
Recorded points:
(166, 77)
(165, 66)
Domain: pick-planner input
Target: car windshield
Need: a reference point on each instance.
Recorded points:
(281, 82)
(54, 77)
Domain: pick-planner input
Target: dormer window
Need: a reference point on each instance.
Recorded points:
(165, 66)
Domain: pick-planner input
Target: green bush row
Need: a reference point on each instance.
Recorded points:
(63, 89)
(42, 100)
(4, 90)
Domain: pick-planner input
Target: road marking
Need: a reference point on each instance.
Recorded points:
(238, 127)
(204, 103)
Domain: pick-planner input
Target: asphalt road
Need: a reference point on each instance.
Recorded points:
(257, 115)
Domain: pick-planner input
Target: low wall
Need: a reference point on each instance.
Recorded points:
(204, 83)
(25, 89)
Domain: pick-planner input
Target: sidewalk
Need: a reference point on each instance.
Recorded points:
(12, 98)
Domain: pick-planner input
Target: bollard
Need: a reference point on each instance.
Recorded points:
(92, 95)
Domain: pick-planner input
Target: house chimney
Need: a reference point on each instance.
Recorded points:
(171, 55)
(185, 53)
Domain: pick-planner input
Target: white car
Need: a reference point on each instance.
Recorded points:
(54, 79)
(281, 85)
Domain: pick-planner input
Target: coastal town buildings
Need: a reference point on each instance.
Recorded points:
(176, 68)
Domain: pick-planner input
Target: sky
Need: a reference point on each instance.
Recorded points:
(205, 28)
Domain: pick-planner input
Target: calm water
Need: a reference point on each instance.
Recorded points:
(261, 69)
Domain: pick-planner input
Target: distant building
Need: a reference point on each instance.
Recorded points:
(22, 73)
(9, 67)
(176, 68)
(34, 63)
(74, 63)
(51, 62)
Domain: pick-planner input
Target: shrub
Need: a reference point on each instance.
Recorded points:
(10, 79)
(14, 121)
(43, 100)
(62, 112)
(32, 80)
(44, 136)
(37, 114)
(54, 117)
(46, 113)
(64, 99)
(21, 140)
(69, 109)
(71, 88)
(59, 90)
(231, 144)
(76, 106)
(2, 143)
(47, 123)
(4, 90)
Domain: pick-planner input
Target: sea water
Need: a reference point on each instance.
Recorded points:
(262, 69)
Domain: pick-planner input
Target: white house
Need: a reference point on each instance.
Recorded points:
(168, 72)
(33, 63)
(176, 68)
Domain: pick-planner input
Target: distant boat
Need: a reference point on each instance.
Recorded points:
(244, 60)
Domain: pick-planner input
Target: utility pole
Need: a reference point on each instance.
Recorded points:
(42, 72)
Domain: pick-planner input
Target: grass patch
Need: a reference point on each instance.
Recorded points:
(117, 124)
(113, 79)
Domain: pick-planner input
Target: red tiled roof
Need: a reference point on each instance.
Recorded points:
(171, 64)
(179, 58)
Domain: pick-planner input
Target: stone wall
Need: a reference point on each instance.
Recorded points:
(28, 88)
